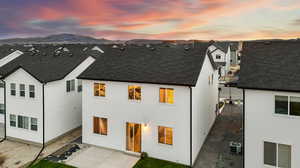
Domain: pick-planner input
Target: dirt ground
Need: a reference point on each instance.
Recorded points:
(19, 154)
(215, 152)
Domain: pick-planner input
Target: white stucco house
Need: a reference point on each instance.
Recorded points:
(156, 99)
(270, 80)
(7, 54)
(43, 96)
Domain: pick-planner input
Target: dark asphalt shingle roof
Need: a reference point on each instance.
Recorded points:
(159, 64)
(271, 66)
(44, 65)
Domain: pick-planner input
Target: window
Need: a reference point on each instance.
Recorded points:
(79, 85)
(165, 135)
(134, 93)
(212, 79)
(166, 95)
(13, 89)
(277, 155)
(33, 125)
(70, 85)
(1, 84)
(13, 120)
(100, 126)
(208, 80)
(287, 105)
(281, 104)
(99, 89)
(295, 106)
(31, 91)
(218, 56)
(23, 122)
(2, 109)
(22, 90)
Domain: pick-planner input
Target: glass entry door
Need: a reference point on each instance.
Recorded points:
(133, 137)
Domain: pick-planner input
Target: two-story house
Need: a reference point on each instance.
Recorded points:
(270, 80)
(43, 96)
(157, 99)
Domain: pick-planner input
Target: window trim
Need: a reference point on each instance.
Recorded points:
(22, 91)
(165, 135)
(31, 92)
(33, 125)
(15, 89)
(99, 126)
(277, 149)
(15, 121)
(166, 97)
(134, 91)
(289, 101)
(99, 84)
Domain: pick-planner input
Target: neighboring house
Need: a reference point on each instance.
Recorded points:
(219, 55)
(41, 85)
(157, 99)
(7, 54)
(270, 79)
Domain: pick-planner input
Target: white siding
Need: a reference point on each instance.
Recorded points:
(262, 124)
(119, 110)
(217, 52)
(25, 106)
(205, 98)
(63, 109)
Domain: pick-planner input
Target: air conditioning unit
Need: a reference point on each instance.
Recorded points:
(235, 147)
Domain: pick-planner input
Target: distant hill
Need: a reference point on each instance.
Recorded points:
(58, 38)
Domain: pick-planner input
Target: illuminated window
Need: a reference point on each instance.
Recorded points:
(100, 126)
(166, 95)
(99, 89)
(134, 93)
(165, 135)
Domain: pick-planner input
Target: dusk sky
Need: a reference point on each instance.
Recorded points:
(152, 19)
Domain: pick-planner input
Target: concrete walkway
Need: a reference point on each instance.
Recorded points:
(215, 152)
(97, 157)
(19, 154)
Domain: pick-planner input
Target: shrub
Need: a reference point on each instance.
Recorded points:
(144, 155)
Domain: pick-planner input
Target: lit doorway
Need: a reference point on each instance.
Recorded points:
(133, 137)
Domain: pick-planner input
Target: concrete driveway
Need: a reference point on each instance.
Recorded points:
(97, 157)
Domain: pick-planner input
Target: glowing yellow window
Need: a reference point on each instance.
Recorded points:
(100, 126)
(165, 135)
(134, 92)
(166, 95)
(99, 89)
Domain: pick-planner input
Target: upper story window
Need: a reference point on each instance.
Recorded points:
(22, 90)
(287, 105)
(212, 79)
(165, 135)
(31, 91)
(79, 85)
(277, 155)
(13, 89)
(13, 120)
(218, 56)
(100, 125)
(2, 109)
(166, 95)
(134, 92)
(70, 85)
(99, 89)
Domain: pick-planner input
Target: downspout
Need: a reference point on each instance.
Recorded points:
(43, 147)
(191, 127)
(4, 138)
(244, 102)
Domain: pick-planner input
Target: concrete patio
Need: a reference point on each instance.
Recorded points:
(97, 157)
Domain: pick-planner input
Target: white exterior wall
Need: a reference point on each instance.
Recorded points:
(262, 124)
(62, 108)
(118, 110)
(204, 100)
(25, 106)
(1, 102)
